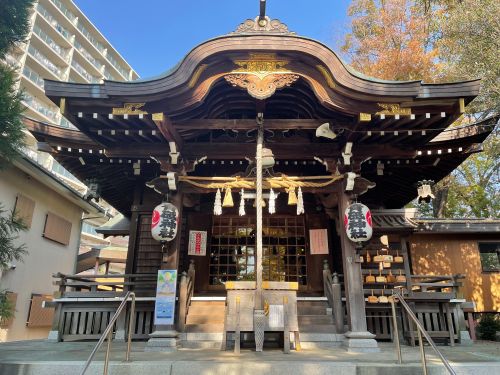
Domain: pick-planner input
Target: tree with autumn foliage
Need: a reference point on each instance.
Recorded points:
(391, 39)
(439, 40)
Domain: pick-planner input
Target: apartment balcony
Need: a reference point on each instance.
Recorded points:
(47, 46)
(63, 10)
(36, 57)
(32, 80)
(37, 109)
(83, 73)
(61, 34)
(87, 60)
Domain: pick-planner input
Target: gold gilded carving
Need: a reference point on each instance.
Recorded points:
(269, 26)
(130, 109)
(461, 105)
(261, 65)
(62, 105)
(365, 117)
(158, 116)
(393, 109)
(326, 74)
(261, 88)
(261, 75)
(197, 75)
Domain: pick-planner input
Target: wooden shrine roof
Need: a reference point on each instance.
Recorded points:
(202, 114)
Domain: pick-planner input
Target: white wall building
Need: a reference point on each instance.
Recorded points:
(54, 213)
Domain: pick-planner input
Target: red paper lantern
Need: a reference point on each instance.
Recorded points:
(165, 222)
(358, 222)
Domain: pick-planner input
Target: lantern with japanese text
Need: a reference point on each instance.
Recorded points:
(358, 222)
(165, 222)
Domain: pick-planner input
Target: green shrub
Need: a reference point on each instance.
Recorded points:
(488, 326)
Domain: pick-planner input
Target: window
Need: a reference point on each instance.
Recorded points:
(490, 256)
(24, 209)
(233, 248)
(39, 316)
(57, 229)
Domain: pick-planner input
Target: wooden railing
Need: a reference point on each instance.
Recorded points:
(333, 292)
(186, 290)
(84, 305)
(104, 285)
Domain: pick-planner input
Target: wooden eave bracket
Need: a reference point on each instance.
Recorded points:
(347, 154)
(171, 135)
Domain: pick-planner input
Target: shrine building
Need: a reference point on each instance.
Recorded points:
(262, 140)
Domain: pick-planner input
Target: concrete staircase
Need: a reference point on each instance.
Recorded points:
(205, 324)
(316, 324)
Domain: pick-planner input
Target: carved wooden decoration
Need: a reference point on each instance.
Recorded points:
(261, 75)
(393, 109)
(265, 25)
(130, 109)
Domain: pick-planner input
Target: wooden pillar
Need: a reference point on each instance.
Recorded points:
(165, 338)
(134, 227)
(358, 339)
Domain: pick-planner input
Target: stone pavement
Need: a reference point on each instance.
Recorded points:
(40, 358)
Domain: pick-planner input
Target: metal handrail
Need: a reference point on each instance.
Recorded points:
(420, 331)
(108, 332)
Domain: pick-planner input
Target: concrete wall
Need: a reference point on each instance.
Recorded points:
(458, 254)
(45, 257)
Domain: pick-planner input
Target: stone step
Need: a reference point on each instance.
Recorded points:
(317, 328)
(209, 328)
(311, 310)
(201, 310)
(205, 319)
(208, 303)
(312, 303)
(321, 337)
(315, 319)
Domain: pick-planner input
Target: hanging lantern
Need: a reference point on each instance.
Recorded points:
(300, 202)
(292, 198)
(217, 204)
(228, 198)
(164, 222)
(241, 212)
(358, 222)
(272, 202)
(424, 190)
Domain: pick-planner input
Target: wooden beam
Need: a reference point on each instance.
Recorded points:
(269, 124)
(238, 151)
(167, 129)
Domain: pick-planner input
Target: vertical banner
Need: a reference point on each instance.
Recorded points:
(319, 241)
(197, 243)
(166, 286)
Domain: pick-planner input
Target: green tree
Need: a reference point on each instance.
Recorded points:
(470, 47)
(14, 27)
(439, 40)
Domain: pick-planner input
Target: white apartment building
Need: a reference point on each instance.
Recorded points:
(64, 45)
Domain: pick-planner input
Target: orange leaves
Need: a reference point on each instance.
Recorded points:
(391, 39)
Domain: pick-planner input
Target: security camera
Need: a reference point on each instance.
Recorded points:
(12, 266)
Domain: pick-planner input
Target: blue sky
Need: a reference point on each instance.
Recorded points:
(153, 35)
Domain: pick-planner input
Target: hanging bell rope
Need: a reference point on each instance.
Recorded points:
(283, 182)
(241, 211)
(217, 204)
